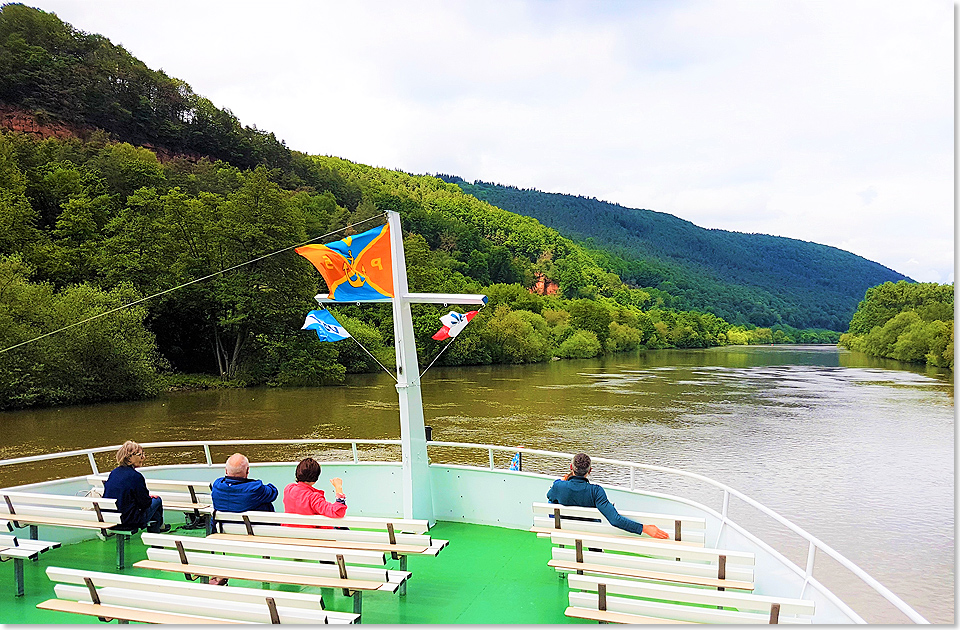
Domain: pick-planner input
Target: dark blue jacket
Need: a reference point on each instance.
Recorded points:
(580, 492)
(238, 494)
(129, 488)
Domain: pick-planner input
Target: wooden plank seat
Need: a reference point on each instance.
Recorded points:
(397, 536)
(33, 509)
(193, 498)
(255, 561)
(552, 517)
(597, 596)
(139, 598)
(18, 550)
(639, 559)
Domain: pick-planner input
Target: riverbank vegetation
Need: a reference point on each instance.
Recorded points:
(907, 322)
(149, 188)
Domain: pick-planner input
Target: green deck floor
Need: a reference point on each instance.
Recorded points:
(486, 575)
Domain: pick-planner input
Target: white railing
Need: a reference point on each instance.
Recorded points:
(814, 544)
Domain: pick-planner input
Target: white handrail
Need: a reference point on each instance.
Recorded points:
(816, 543)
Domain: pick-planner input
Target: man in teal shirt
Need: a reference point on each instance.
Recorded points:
(574, 489)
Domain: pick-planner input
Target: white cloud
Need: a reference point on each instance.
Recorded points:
(823, 121)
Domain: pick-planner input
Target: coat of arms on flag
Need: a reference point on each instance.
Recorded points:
(356, 268)
(326, 325)
(453, 323)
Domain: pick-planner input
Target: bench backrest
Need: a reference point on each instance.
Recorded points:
(692, 529)
(173, 587)
(27, 504)
(684, 594)
(318, 527)
(297, 552)
(656, 565)
(640, 546)
(369, 523)
(219, 602)
(170, 490)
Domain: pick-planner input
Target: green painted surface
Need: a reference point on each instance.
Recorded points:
(486, 575)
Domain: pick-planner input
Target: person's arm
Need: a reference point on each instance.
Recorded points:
(268, 492)
(610, 512)
(552, 492)
(141, 496)
(331, 510)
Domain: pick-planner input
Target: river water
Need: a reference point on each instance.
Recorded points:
(858, 451)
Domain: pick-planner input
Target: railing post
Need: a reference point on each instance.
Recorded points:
(633, 470)
(93, 463)
(811, 554)
(356, 458)
(206, 452)
(490, 452)
(726, 504)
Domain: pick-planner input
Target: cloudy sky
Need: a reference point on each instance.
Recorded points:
(827, 121)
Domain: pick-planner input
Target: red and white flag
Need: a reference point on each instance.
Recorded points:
(453, 323)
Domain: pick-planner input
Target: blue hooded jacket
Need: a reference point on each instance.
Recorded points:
(239, 494)
(577, 491)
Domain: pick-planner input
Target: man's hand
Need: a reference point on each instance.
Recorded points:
(654, 531)
(337, 483)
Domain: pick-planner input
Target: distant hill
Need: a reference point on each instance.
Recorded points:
(743, 278)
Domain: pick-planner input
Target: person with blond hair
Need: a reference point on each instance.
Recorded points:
(574, 489)
(138, 508)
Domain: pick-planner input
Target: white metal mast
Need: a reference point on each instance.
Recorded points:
(417, 488)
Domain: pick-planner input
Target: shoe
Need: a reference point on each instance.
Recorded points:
(165, 528)
(218, 581)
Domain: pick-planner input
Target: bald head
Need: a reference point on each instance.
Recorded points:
(238, 465)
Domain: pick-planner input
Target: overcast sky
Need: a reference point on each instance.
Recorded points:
(829, 121)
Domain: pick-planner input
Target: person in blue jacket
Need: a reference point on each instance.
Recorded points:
(574, 489)
(138, 508)
(236, 493)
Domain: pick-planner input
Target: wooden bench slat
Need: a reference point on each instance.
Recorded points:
(65, 522)
(643, 547)
(263, 576)
(688, 522)
(416, 526)
(326, 534)
(19, 552)
(334, 544)
(225, 594)
(614, 617)
(127, 614)
(729, 599)
(248, 611)
(650, 575)
(56, 500)
(263, 548)
(733, 572)
(679, 612)
(603, 529)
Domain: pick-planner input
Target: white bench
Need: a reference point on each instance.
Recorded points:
(193, 498)
(255, 561)
(642, 559)
(18, 550)
(606, 599)
(33, 509)
(397, 536)
(552, 517)
(152, 600)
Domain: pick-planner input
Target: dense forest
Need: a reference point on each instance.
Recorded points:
(743, 278)
(147, 195)
(907, 322)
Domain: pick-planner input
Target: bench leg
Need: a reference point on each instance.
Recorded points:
(403, 567)
(34, 534)
(357, 603)
(18, 575)
(121, 551)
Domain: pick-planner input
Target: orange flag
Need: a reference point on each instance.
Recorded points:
(356, 268)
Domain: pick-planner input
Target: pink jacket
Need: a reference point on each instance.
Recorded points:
(302, 498)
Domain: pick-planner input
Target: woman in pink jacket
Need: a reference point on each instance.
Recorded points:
(302, 498)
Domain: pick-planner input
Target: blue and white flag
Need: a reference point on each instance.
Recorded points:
(515, 462)
(327, 327)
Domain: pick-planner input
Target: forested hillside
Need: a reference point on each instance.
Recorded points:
(92, 222)
(744, 278)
